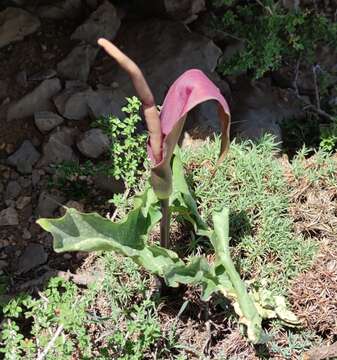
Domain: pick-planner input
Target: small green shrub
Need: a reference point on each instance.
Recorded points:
(128, 143)
(60, 305)
(271, 35)
(329, 137)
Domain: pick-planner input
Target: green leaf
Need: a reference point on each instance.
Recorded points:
(91, 232)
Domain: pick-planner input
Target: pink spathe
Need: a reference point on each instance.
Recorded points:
(192, 88)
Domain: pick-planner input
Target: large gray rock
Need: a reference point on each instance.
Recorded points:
(16, 24)
(104, 22)
(77, 64)
(64, 9)
(93, 143)
(37, 100)
(72, 103)
(24, 158)
(47, 120)
(260, 108)
(33, 256)
(173, 50)
(9, 217)
(59, 147)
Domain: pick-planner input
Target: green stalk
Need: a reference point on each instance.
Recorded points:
(249, 314)
(165, 224)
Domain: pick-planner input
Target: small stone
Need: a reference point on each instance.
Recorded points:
(9, 217)
(24, 158)
(93, 143)
(72, 103)
(37, 100)
(25, 182)
(78, 62)
(58, 147)
(33, 256)
(16, 24)
(22, 202)
(67, 256)
(48, 204)
(12, 191)
(104, 22)
(47, 120)
(26, 234)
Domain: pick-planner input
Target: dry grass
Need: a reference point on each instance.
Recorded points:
(314, 293)
(313, 207)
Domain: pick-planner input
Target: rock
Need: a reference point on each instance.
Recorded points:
(24, 158)
(104, 22)
(26, 234)
(25, 181)
(37, 100)
(108, 184)
(78, 62)
(48, 204)
(72, 103)
(47, 120)
(58, 147)
(22, 202)
(9, 217)
(71, 204)
(33, 256)
(16, 24)
(3, 89)
(12, 191)
(260, 108)
(105, 102)
(93, 143)
(64, 9)
(183, 9)
(174, 49)
(43, 75)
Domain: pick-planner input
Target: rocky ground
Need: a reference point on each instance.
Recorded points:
(54, 81)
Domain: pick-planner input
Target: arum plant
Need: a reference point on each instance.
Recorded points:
(168, 193)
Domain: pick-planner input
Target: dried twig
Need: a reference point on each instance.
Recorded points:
(58, 331)
(308, 106)
(318, 100)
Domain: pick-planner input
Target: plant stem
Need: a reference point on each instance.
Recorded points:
(165, 224)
